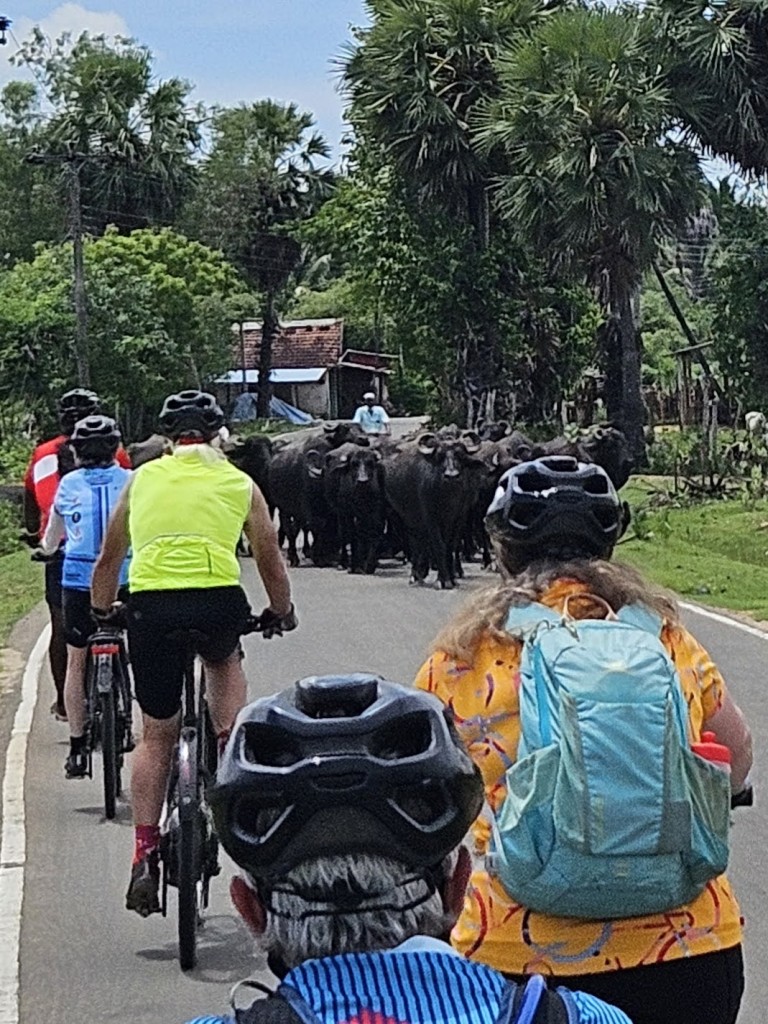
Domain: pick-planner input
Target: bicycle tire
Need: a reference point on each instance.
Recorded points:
(188, 854)
(109, 752)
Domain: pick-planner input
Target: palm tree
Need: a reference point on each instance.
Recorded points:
(133, 137)
(714, 57)
(584, 118)
(414, 79)
(260, 182)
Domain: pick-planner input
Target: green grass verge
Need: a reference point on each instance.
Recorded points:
(715, 552)
(20, 590)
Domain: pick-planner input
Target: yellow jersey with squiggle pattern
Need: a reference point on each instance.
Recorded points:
(496, 930)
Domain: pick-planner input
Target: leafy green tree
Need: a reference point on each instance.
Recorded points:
(130, 137)
(162, 313)
(415, 77)
(713, 56)
(265, 176)
(30, 210)
(738, 272)
(584, 117)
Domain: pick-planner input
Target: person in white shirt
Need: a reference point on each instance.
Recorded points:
(371, 417)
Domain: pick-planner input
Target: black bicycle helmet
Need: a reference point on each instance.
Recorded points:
(95, 439)
(344, 764)
(76, 404)
(556, 506)
(190, 414)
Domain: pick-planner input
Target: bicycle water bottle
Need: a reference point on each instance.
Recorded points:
(716, 753)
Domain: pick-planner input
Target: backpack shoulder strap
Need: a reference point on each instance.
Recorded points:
(534, 1003)
(523, 619)
(643, 617)
(275, 1010)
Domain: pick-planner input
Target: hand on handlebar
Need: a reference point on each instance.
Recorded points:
(112, 616)
(745, 798)
(271, 624)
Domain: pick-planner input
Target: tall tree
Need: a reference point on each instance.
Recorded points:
(266, 174)
(414, 79)
(584, 117)
(30, 210)
(130, 136)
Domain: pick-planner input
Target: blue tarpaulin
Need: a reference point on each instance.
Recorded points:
(244, 410)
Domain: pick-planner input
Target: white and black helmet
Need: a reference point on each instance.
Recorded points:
(344, 764)
(557, 506)
(95, 439)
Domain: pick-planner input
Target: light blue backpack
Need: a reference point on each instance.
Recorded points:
(608, 811)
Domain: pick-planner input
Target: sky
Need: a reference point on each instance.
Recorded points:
(231, 50)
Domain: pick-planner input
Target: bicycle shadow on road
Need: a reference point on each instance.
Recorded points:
(226, 952)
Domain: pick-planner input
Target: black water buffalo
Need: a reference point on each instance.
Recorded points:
(253, 455)
(430, 483)
(604, 445)
(354, 490)
(145, 451)
(296, 488)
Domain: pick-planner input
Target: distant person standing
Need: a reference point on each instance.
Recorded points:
(371, 417)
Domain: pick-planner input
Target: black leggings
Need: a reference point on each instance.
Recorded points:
(705, 989)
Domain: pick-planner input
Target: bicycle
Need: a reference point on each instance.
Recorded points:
(108, 708)
(188, 844)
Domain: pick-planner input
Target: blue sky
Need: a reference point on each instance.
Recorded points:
(231, 50)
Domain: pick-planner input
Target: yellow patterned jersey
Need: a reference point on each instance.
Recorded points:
(496, 930)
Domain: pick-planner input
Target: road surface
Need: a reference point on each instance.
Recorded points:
(85, 960)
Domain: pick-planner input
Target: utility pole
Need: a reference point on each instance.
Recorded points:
(80, 296)
(74, 163)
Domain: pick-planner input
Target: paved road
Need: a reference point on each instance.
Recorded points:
(86, 960)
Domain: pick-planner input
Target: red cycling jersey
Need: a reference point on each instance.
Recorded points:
(42, 477)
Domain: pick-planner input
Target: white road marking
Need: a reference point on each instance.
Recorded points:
(13, 848)
(725, 620)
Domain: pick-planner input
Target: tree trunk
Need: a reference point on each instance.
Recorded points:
(269, 328)
(632, 410)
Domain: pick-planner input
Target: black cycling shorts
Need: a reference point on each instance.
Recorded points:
(54, 568)
(79, 626)
(158, 659)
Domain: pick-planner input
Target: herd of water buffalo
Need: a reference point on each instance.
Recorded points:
(358, 499)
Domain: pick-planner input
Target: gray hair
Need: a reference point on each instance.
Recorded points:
(307, 915)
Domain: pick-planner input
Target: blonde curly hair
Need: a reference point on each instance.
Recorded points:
(486, 612)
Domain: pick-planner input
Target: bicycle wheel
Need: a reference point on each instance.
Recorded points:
(109, 753)
(188, 848)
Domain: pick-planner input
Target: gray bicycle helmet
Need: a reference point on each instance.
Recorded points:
(76, 404)
(191, 414)
(344, 764)
(95, 440)
(556, 507)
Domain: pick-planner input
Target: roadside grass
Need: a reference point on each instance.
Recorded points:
(21, 587)
(715, 552)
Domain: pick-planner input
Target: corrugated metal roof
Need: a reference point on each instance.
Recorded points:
(281, 376)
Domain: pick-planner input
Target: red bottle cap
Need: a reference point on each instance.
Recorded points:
(711, 750)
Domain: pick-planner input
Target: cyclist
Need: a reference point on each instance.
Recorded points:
(344, 801)
(554, 524)
(48, 464)
(81, 509)
(182, 516)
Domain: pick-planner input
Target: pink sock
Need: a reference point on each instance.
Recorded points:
(147, 840)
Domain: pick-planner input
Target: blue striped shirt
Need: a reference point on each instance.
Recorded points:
(424, 986)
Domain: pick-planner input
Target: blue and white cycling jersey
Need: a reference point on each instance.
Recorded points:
(84, 502)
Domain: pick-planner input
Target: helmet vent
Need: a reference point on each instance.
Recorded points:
(349, 780)
(269, 746)
(409, 736)
(426, 805)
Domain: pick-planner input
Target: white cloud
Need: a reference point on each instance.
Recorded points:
(72, 18)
